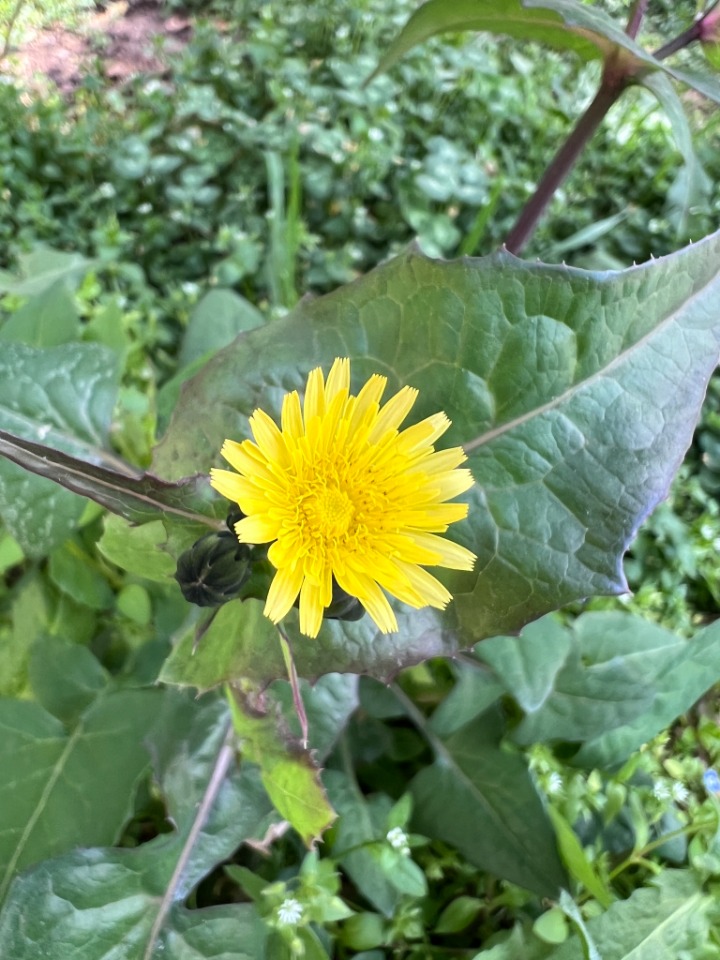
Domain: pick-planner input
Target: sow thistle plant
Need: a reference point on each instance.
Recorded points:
(572, 394)
(347, 498)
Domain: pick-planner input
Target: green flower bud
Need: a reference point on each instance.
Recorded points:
(214, 569)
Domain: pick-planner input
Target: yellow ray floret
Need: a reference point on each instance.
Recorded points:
(342, 494)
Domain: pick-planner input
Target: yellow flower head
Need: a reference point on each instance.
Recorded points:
(343, 493)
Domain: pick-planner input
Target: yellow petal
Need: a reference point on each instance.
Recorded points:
(291, 417)
(314, 405)
(283, 592)
(268, 437)
(338, 379)
(260, 528)
(311, 609)
(451, 554)
(393, 413)
(422, 434)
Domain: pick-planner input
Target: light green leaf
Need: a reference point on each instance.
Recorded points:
(528, 665)
(69, 893)
(288, 772)
(47, 320)
(41, 269)
(624, 681)
(476, 689)
(664, 921)
(137, 549)
(575, 394)
(65, 678)
(140, 892)
(215, 321)
(77, 575)
(562, 24)
(62, 397)
(481, 799)
(575, 859)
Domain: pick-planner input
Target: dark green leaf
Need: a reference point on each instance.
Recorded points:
(480, 798)
(574, 404)
(139, 498)
(66, 787)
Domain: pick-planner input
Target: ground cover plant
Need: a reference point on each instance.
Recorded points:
(487, 777)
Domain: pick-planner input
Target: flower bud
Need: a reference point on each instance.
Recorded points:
(213, 569)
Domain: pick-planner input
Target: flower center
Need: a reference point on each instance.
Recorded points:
(328, 513)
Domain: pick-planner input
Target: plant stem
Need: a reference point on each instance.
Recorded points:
(636, 16)
(683, 39)
(562, 163)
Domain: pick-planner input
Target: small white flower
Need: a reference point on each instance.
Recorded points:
(397, 838)
(145, 208)
(554, 785)
(680, 792)
(290, 911)
(106, 190)
(661, 791)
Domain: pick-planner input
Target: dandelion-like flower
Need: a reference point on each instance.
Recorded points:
(680, 792)
(343, 494)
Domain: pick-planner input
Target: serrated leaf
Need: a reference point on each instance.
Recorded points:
(664, 921)
(288, 771)
(574, 393)
(481, 799)
(624, 681)
(64, 397)
(65, 787)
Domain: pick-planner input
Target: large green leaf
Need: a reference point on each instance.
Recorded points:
(665, 921)
(139, 893)
(481, 799)
(63, 787)
(62, 397)
(624, 681)
(574, 393)
(562, 24)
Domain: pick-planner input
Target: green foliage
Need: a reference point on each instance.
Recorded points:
(518, 800)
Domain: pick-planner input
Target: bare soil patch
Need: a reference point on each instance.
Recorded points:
(129, 39)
